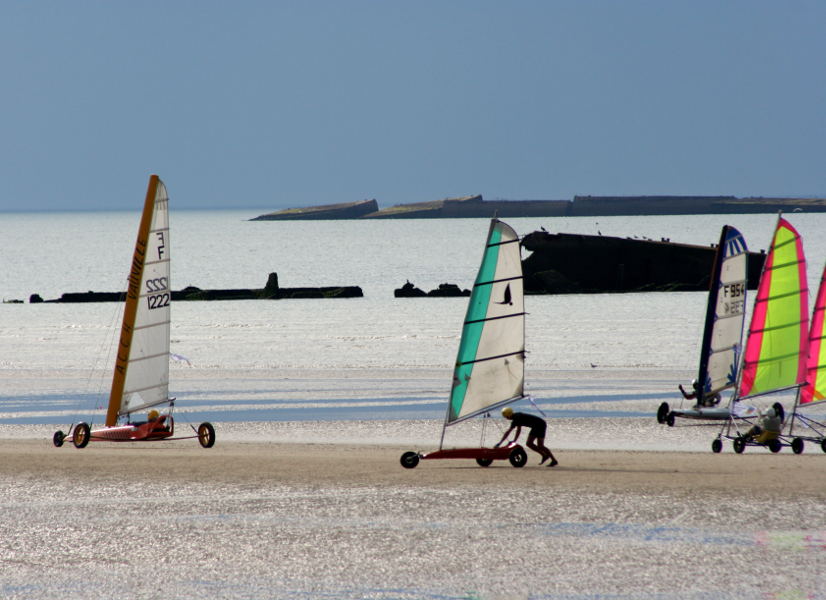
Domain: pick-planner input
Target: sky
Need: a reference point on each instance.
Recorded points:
(274, 104)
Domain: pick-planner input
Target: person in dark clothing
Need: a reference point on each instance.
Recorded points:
(536, 435)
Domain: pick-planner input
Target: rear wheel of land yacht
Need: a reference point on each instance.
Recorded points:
(717, 446)
(518, 457)
(797, 446)
(206, 435)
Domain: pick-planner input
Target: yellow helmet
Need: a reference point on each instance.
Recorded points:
(507, 412)
(153, 414)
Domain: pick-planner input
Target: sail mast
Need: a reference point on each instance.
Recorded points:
(131, 305)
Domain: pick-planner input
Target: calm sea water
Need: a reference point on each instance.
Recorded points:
(372, 357)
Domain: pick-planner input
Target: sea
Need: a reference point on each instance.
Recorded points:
(376, 357)
(374, 370)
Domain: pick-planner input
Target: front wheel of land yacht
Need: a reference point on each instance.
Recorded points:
(797, 445)
(409, 460)
(662, 412)
(58, 437)
(81, 435)
(739, 446)
(823, 444)
(775, 446)
(206, 435)
(518, 457)
(484, 462)
(717, 446)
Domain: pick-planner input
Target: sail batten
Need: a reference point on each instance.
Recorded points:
(489, 367)
(521, 314)
(150, 325)
(496, 281)
(470, 362)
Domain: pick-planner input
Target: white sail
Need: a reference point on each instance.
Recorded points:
(490, 366)
(146, 381)
(727, 310)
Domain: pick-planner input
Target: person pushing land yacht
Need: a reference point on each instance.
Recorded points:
(536, 435)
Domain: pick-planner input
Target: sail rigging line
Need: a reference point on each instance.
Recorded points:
(535, 405)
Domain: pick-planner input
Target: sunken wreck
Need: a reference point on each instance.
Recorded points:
(565, 263)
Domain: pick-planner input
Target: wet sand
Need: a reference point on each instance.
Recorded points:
(257, 519)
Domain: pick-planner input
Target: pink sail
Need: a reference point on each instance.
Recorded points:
(816, 367)
(777, 344)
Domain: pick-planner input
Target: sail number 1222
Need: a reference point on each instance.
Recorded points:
(158, 295)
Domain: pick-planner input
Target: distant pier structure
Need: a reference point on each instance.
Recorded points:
(476, 206)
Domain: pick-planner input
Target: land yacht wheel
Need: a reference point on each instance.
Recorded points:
(518, 457)
(662, 412)
(669, 419)
(797, 446)
(206, 435)
(823, 444)
(739, 446)
(57, 438)
(484, 462)
(775, 446)
(81, 435)
(409, 460)
(717, 446)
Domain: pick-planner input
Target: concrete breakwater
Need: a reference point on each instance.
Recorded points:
(579, 206)
(271, 291)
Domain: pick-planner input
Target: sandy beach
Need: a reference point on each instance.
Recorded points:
(260, 519)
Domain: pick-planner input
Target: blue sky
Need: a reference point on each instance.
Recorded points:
(273, 104)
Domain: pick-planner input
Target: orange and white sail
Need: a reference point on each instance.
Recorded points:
(141, 377)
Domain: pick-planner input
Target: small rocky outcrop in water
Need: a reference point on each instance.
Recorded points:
(408, 290)
(445, 290)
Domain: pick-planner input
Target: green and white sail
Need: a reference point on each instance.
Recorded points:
(490, 365)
